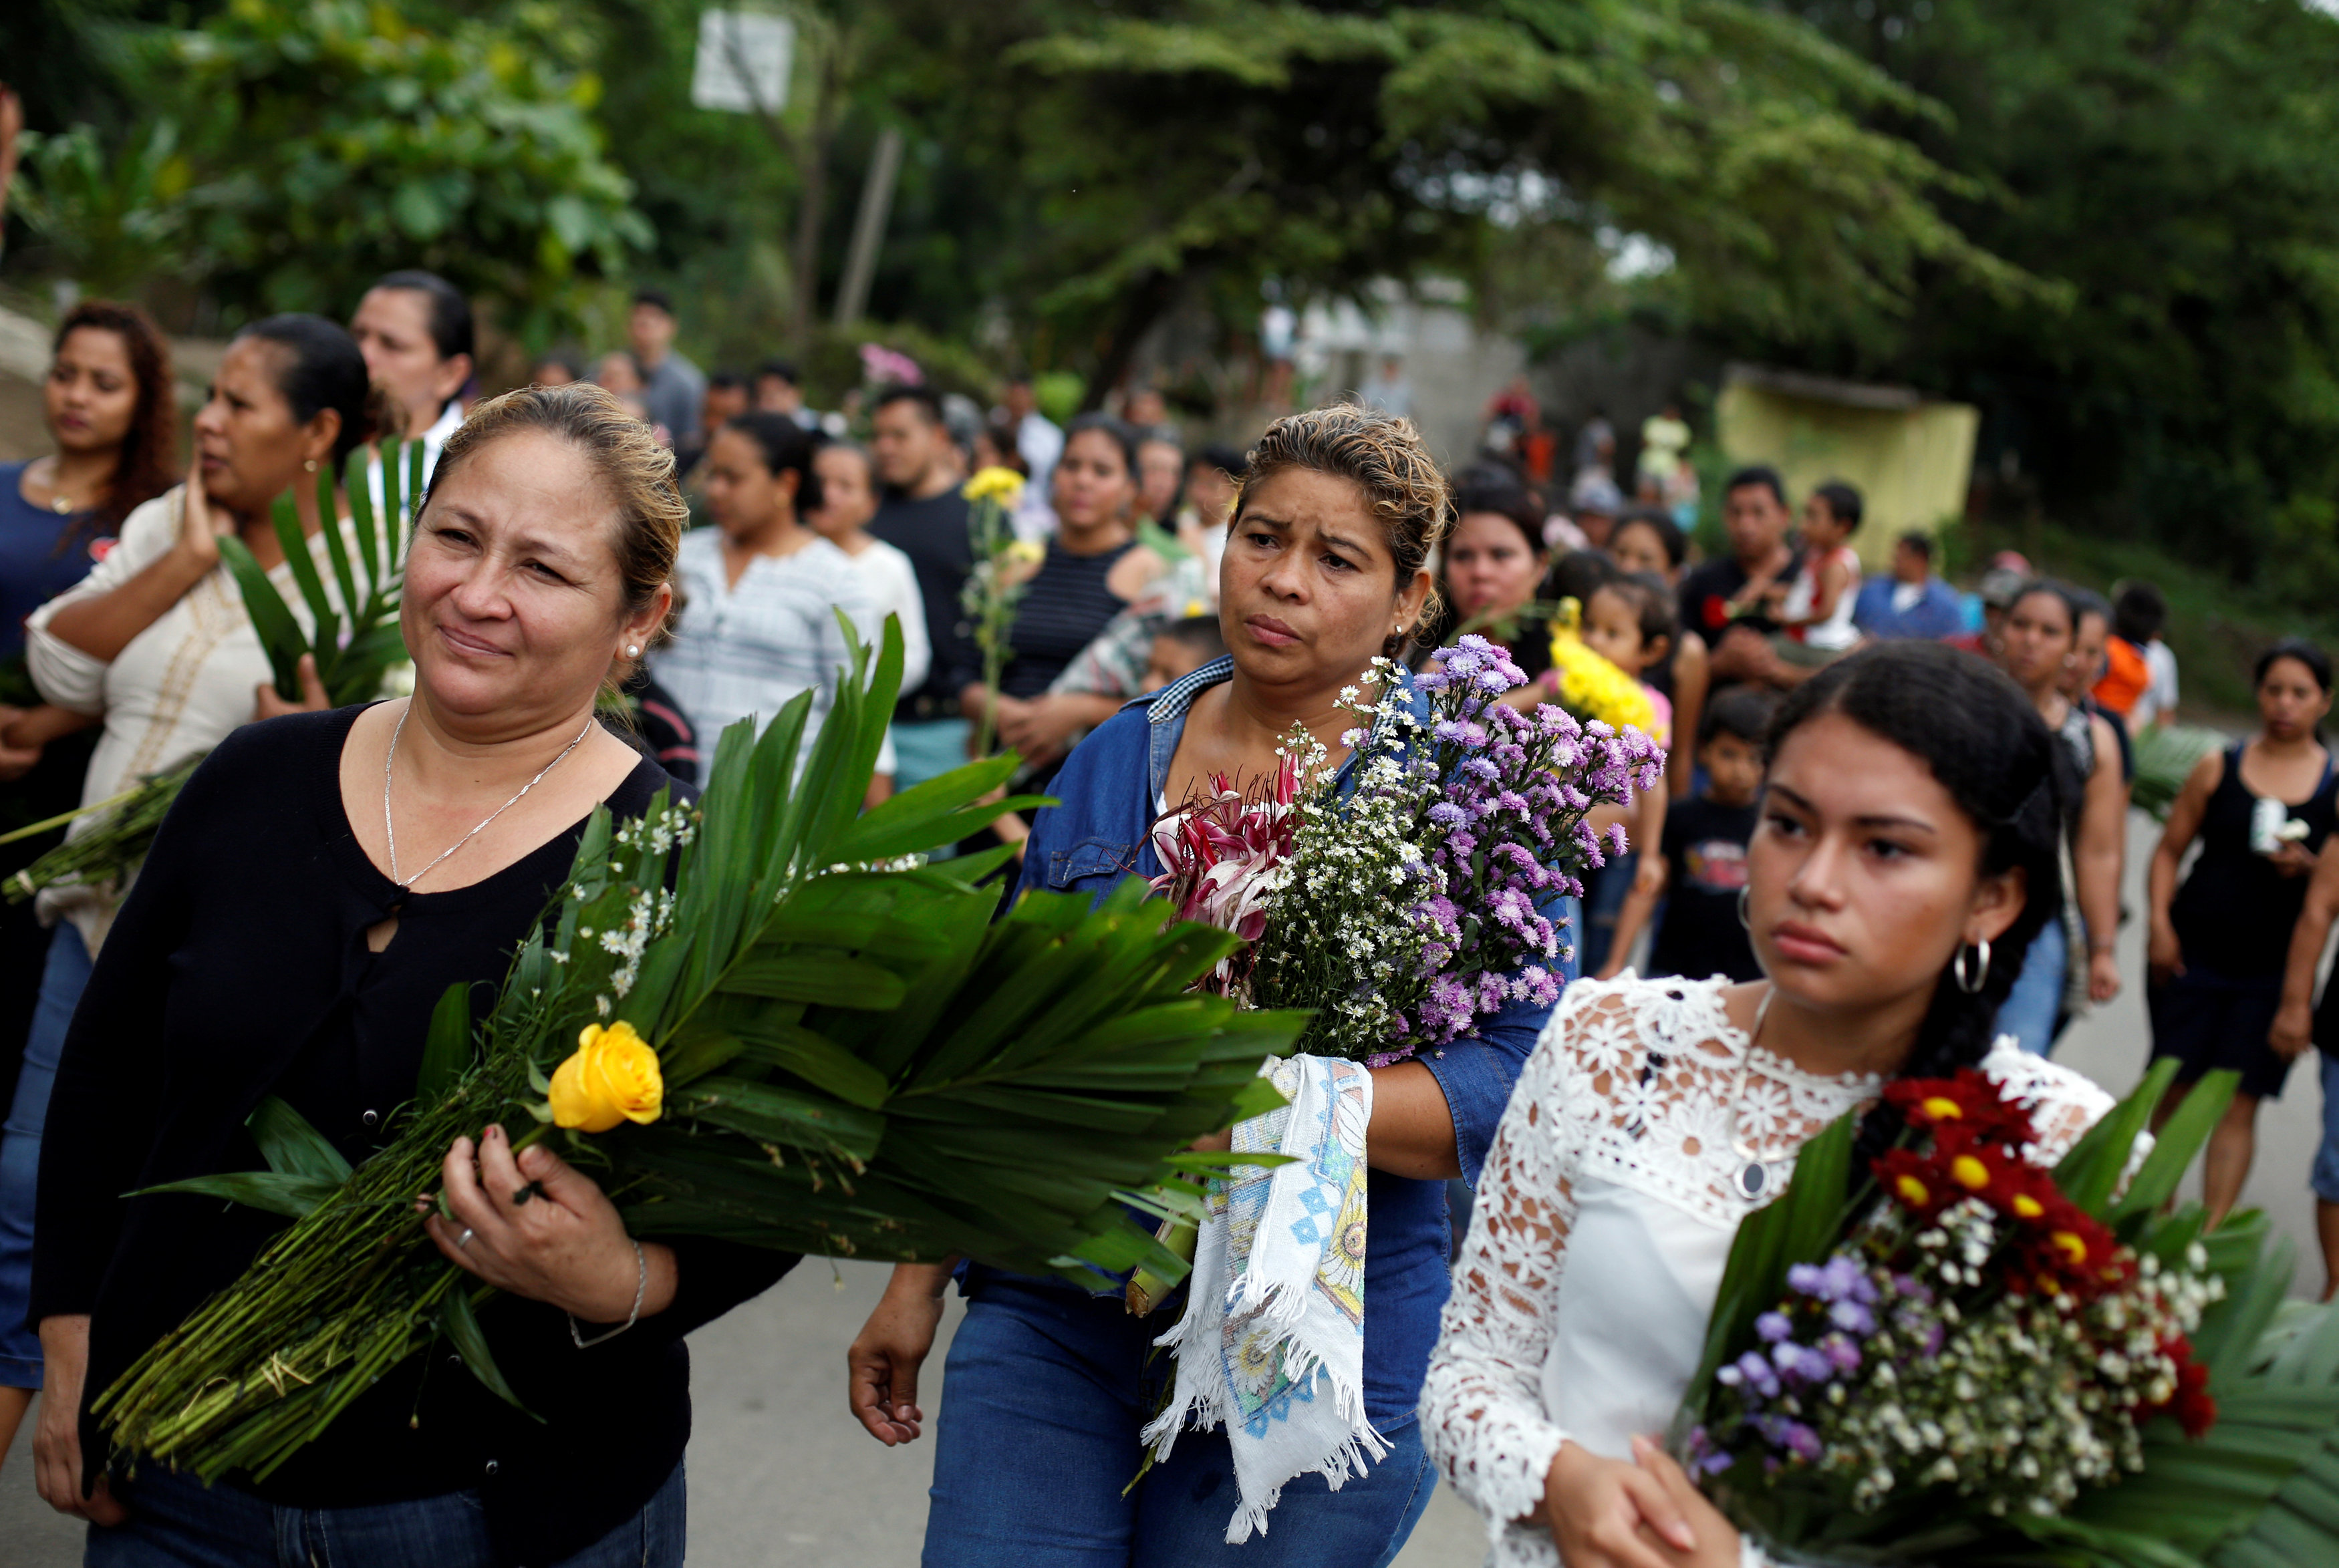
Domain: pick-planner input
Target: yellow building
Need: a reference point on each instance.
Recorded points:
(1908, 457)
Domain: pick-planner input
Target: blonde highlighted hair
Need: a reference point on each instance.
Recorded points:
(625, 457)
(1381, 454)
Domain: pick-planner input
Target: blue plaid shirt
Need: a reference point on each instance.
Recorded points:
(1102, 834)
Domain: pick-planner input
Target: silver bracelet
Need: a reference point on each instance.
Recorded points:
(641, 1289)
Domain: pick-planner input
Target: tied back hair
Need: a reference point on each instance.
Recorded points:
(1983, 742)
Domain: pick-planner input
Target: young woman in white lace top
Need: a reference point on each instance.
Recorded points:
(1904, 859)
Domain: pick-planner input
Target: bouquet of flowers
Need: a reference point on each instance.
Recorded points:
(1404, 906)
(1981, 1359)
(766, 1019)
(354, 636)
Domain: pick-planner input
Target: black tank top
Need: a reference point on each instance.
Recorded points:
(2234, 914)
(1065, 605)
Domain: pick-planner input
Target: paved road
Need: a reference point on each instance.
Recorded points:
(781, 1477)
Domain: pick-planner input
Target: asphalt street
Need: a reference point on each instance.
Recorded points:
(782, 1477)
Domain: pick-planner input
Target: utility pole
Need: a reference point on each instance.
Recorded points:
(869, 227)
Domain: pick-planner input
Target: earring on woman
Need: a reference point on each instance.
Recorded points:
(310, 465)
(1974, 974)
(633, 650)
(1744, 919)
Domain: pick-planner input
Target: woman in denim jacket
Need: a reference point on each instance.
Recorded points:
(1049, 1385)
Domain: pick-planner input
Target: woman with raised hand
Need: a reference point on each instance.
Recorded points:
(1048, 1385)
(2261, 809)
(414, 330)
(1093, 570)
(107, 401)
(1907, 853)
(2040, 647)
(321, 883)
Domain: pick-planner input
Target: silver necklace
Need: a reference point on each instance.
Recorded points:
(389, 829)
(1755, 1173)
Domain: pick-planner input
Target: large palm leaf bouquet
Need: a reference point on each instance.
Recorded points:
(1980, 1361)
(793, 1034)
(352, 636)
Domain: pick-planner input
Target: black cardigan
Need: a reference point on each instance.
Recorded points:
(237, 968)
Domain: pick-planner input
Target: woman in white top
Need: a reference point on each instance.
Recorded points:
(848, 500)
(761, 591)
(414, 330)
(1905, 857)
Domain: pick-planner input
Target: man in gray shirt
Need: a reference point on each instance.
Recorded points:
(672, 389)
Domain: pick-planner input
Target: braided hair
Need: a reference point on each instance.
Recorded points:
(1984, 742)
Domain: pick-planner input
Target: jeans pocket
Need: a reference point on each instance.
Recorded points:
(1090, 859)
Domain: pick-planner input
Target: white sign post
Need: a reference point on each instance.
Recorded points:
(742, 62)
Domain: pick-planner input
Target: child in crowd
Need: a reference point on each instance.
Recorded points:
(1181, 648)
(1815, 609)
(1703, 857)
(1628, 620)
(2138, 612)
(1650, 541)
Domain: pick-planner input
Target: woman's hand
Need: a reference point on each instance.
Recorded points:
(2163, 955)
(15, 760)
(1607, 1513)
(2292, 1031)
(2293, 859)
(881, 1366)
(1037, 729)
(535, 1227)
(57, 1441)
(202, 525)
(267, 704)
(1717, 1538)
(2103, 976)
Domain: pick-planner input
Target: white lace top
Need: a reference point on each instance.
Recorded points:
(1604, 1218)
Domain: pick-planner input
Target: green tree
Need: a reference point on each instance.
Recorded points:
(335, 140)
(2171, 166)
(1208, 145)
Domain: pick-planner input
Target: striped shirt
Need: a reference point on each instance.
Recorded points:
(748, 647)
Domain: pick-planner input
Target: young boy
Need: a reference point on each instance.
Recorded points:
(1815, 614)
(1704, 853)
(1181, 648)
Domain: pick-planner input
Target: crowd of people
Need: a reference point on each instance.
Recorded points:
(1155, 637)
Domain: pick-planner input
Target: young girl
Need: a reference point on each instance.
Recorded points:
(1628, 621)
(1816, 611)
(1647, 540)
(1904, 858)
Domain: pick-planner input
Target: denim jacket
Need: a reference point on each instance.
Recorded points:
(1102, 834)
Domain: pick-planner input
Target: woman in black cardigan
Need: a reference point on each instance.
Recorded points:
(321, 883)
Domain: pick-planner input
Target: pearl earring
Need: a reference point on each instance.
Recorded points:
(633, 650)
(310, 465)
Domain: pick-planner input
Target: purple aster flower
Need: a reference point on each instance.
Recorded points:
(1804, 1441)
(1446, 814)
(1757, 1372)
(1852, 1318)
(1772, 1326)
(1841, 1353)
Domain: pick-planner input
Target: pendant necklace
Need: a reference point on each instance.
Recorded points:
(1755, 1173)
(389, 831)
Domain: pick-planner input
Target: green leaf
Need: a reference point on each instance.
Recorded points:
(447, 1052)
(779, 1116)
(2090, 1172)
(290, 1146)
(2180, 1137)
(816, 1060)
(292, 1196)
(279, 634)
(460, 1324)
(301, 562)
(357, 484)
(831, 978)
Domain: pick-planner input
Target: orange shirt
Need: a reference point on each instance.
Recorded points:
(2125, 675)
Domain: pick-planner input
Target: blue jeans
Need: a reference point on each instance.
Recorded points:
(63, 981)
(176, 1522)
(1605, 892)
(2029, 1011)
(1046, 1390)
(2325, 1178)
(927, 750)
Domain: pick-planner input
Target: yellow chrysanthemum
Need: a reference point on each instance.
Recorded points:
(1002, 485)
(1591, 688)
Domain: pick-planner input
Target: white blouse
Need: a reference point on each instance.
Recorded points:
(1604, 1218)
(176, 689)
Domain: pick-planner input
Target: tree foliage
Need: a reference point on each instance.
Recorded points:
(334, 140)
(2169, 166)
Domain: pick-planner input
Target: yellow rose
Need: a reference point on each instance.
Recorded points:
(1005, 485)
(1024, 553)
(614, 1077)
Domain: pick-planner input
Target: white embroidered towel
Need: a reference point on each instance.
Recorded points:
(1272, 1341)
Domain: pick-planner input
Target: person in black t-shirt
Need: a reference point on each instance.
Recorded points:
(925, 517)
(1706, 849)
(1721, 601)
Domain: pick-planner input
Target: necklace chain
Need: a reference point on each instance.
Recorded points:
(389, 828)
